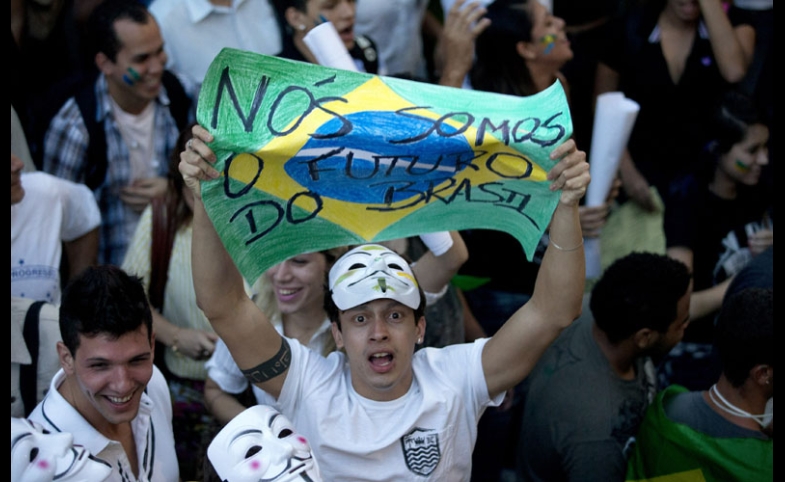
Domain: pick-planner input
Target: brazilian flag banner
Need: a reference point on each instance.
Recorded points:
(313, 158)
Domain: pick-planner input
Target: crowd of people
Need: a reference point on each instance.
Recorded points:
(140, 353)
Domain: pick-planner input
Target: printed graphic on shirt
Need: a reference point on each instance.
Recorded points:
(421, 451)
(735, 253)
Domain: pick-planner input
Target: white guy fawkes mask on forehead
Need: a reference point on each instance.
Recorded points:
(41, 456)
(261, 445)
(371, 272)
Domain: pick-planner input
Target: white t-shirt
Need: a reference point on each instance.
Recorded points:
(395, 27)
(137, 132)
(223, 370)
(52, 211)
(195, 31)
(152, 429)
(428, 434)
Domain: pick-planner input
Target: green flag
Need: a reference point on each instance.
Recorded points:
(666, 451)
(314, 157)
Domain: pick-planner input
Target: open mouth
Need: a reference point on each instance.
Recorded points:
(381, 360)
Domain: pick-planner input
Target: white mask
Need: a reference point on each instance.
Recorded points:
(768, 413)
(41, 456)
(764, 419)
(370, 272)
(261, 444)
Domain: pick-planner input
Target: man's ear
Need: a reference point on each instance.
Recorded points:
(762, 374)
(527, 50)
(337, 335)
(421, 328)
(103, 63)
(65, 357)
(296, 19)
(644, 338)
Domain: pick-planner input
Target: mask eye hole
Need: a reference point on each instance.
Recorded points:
(285, 433)
(253, 451)
(395, 266)
(356, 266)
(33, 454)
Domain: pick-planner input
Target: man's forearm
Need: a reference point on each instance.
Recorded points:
(562, 276)
(217, 281)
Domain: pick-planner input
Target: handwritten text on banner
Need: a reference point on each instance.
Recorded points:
(314, 157)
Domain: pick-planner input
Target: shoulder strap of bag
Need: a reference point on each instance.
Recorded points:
(96, 164)
(162, 243)
(28, 374)
(179, 101)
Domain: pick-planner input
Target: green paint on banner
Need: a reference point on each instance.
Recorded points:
(314, 157)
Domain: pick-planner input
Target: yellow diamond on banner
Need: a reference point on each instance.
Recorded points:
(315, 157)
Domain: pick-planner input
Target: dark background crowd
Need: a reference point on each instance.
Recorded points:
(103, 97)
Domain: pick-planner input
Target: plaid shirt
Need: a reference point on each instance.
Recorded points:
(65, 152)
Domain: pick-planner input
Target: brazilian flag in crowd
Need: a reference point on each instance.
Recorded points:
(666, 451)
(315, 157)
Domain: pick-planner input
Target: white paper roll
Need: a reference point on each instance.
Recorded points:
(614, 118)
(328, 48)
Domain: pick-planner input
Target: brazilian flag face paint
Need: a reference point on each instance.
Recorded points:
(741, 166)
(549, 41)
(131, 76)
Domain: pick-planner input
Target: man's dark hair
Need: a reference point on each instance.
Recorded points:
(745, 333)
(100, 24)
(640, 290)
(103, 300)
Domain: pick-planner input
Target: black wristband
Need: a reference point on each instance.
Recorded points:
(273, 367)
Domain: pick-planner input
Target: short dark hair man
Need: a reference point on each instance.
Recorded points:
(586, 397)
(136, 112)
(726, 432)
(108, 393)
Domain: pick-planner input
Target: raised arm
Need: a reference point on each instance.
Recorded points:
(556, 302)
(732, 47)
(220, 292)
(455, 46)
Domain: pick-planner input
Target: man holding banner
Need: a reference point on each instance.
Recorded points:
(380, 411)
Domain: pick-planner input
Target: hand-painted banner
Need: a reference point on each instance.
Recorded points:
(314, 157)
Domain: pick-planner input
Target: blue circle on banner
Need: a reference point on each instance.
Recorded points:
(373, 165)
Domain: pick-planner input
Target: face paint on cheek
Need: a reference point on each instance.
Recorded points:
(549, 41)
(131, 76)
(741, 166)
